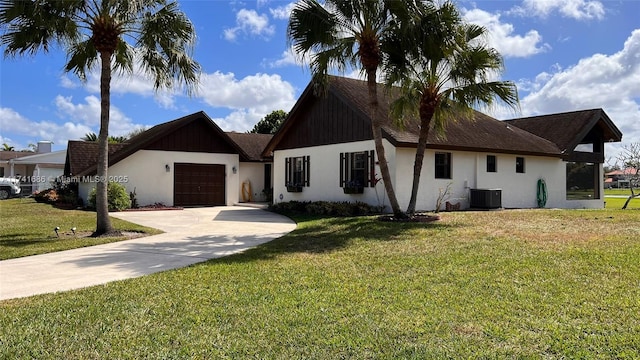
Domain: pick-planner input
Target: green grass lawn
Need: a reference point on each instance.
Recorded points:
(27, 228)
(498, 284)
(617, 202)
(624, 192)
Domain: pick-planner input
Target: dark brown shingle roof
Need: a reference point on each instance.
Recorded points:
(82, 155)
(567, 129)
(484, 133)
(252, 144)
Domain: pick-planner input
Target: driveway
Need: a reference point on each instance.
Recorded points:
(191, 236)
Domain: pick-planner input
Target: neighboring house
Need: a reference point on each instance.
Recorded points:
(189, 161)
(35, 170)
(325, 151)
(619, 178)
(6, 156)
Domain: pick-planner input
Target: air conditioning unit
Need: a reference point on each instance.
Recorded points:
(486, 198)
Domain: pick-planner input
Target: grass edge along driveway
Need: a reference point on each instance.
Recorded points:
(28, 229)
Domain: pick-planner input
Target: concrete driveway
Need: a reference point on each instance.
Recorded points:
(191, 236)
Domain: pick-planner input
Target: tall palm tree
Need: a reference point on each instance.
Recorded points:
(339, 34)
(7, 147)
(444, 70)
(115, 34)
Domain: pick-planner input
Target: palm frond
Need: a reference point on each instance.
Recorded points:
(81, 56)
(166, 42)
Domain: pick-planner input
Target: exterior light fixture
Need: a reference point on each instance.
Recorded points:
(167, 168)
(56, 230)
(234, 170)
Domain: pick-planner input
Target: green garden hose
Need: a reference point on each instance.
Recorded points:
(542, 193)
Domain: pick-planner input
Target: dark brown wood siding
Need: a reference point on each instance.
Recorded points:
(199, 184)
(325, 121)
(197, 136)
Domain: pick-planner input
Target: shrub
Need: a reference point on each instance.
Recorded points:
(117, 197)
(341, 209)
(48, 196)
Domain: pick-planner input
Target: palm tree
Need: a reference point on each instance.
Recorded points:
(340, 34)
(92, 137)
(7, 147)
(444, 70)
(114, 33)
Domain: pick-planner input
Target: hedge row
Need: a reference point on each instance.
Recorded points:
(325, 208)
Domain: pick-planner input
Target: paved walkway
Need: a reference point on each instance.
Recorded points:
(191, 236)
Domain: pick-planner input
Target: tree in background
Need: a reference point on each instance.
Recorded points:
(444, 70)
(7, 147)
(340, 34)
(111, 35)
(270, 123)
(629, 159)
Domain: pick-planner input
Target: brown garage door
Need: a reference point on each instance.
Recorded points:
(198, 184)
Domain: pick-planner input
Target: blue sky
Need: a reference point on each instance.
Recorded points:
(564, 55)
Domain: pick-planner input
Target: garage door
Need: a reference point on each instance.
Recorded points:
(199, 185)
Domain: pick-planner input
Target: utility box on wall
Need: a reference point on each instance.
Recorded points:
(486, 198)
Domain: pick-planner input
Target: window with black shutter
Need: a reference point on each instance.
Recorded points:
(296, 173)
(357, 169)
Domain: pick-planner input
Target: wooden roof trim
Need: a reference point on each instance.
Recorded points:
(479, 149)
(144, 139)
(289, 121)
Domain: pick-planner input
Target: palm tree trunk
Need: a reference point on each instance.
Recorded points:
(426, 113)
(103, 222)
(376, 128)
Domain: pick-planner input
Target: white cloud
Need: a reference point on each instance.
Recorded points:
(575, 9)
(240, 120)
(250, 98)
(282, 12)
(87, 115)
(249, 22)
(13, 122)
(501, 35)
(288, 58)
(137, 83)
(611, 82)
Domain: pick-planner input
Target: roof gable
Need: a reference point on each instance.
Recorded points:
(568, 130)
(191, 133)
(484, 133)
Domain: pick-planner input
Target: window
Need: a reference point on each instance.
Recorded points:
(356, 169)
(443, 166)
(296, 172)
(491, 163)
(520, 165)
(582, 181)
(1, 172)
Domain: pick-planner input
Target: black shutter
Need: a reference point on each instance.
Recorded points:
(372, 168)
(287, 171)
(342, 170)
(307, 174)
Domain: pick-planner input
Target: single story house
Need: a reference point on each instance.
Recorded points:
(325, 151)
(189, 161)
(620, 178)
(35, 170)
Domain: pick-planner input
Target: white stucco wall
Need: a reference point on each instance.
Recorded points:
(324, 183)
(251, 174)
(145, 172)
(519, 190)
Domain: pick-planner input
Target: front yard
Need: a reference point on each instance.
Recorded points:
(27, 228)
(498, 284)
